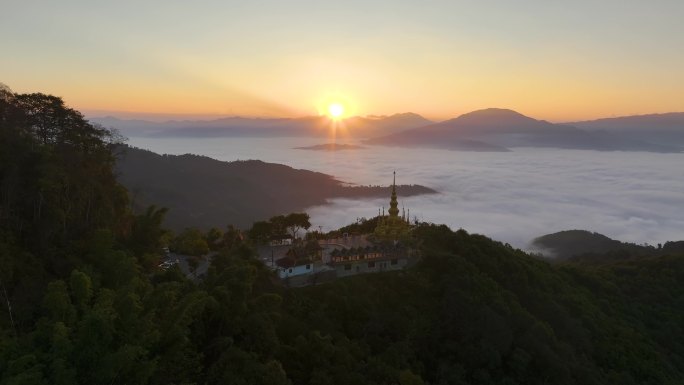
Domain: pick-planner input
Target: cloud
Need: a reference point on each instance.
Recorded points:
(515, 197)
(512, 197)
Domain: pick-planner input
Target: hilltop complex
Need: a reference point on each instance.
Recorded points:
(388, 247)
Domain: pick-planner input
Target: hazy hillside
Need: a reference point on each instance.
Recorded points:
(357, 127)
(656, 128)
(497, 129)
(585, 246)
(204, 192)
(570, 243)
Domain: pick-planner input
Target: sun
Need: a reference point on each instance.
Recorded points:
(336, 110)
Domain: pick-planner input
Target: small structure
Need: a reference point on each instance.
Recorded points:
(299, 260)
(280, 241)
(291, 267)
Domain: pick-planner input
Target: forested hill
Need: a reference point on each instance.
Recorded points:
(204, 192)
(582, 245)
(83, 302)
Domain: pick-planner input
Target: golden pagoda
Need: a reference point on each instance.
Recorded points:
(392, 227)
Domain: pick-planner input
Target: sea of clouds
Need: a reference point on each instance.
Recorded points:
(512, 197)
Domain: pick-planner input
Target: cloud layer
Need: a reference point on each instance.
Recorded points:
(512, 197)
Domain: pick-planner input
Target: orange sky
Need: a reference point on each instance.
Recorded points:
(560, 62)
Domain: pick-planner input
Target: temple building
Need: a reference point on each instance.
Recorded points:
(389, 247)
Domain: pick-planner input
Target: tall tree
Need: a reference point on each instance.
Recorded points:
(261, 232)
(297, 221)
(56, 171)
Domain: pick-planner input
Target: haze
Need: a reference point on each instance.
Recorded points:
(558, 61)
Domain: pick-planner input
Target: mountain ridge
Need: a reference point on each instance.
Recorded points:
(665, 128)
(205, 192)
(490, 129)
(505, 129)
(236, 126)
(592, 247)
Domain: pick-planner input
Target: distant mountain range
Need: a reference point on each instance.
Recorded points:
(316, 126)
(667, 129)
(496, 129)
(203, 192)
(331, 147)
(490, 129)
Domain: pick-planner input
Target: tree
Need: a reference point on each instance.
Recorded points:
(232, 237)
(190, 242)
(261, 232)
(57, 177)
(214, 238)
(81, 288)
(5, 93)
(279, 226)
(58, 304)
(297, 221)
(147, 232)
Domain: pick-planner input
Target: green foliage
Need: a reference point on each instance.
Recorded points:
(147, 232)
(261, 232)
(362, 226)
(473, 311)
(232, 238)
(278, 227)
(297, 221)
(190, 242)
(56, 172)
(214, 238)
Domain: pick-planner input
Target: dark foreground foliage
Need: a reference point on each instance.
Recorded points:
(88, 307)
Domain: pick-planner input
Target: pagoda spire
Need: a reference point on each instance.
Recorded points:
(394, 209)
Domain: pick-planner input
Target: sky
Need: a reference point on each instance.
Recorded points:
(554, 60)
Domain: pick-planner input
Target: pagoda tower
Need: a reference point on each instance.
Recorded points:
(394, 205)
(392, 227)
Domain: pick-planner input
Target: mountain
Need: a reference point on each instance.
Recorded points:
(204, 192)
(497, 129)
(374, 125)
(582, 245)
(654, 128)
(572, 243)
(318, 126)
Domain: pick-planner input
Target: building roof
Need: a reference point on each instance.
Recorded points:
(289, 261)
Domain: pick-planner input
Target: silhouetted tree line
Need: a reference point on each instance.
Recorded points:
(82, 304)
(279, 227)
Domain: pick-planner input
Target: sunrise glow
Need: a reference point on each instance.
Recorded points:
(336, 110)
(419, 60)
